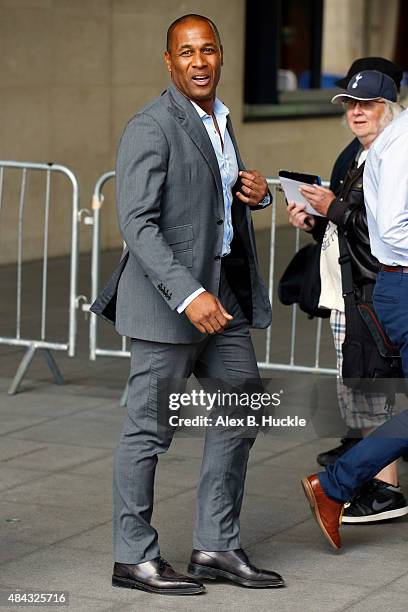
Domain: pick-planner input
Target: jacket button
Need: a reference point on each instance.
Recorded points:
(220, 221)
(217, 257)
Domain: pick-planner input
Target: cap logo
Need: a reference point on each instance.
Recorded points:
(355, 84)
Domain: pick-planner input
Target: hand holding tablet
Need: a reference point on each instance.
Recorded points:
(292, 182)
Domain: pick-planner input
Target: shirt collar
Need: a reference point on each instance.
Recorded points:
(219, 109)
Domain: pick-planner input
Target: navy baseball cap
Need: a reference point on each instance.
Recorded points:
(372, 63)
(369, 85)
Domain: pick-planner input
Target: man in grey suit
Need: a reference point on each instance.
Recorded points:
(188, 290)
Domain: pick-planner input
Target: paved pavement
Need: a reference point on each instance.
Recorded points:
(56, 446)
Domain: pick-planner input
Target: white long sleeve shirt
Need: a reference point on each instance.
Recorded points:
(386, 193)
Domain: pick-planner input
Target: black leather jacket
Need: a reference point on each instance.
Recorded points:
(348, 212)
(342, 164)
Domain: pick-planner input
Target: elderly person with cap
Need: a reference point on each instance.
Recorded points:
(370, 102)
(340, 169)
(346, 157)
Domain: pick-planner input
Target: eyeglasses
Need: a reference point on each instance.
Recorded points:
(363, 104)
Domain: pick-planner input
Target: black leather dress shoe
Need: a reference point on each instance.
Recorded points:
(156, 576)
(232, 565)
(329, 457)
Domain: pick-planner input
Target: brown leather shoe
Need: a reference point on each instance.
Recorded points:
(326, 511)
(156, 576)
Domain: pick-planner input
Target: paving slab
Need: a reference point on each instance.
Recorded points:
(51, 405)
(13, 422)
(400, 584)
(275, 482)
(303, 456)
(90, 432)
(10, 448)
(88, 574)
(47, 456)
(95, 539)
(353, 536)
(383, 599)
(42, 524)
(11, 477)
(74, 492)
(12, 549)
(360, 566)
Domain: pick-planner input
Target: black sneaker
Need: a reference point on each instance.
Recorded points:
(376, 501)
(329, 457)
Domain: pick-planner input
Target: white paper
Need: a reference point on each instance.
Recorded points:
(292, 194)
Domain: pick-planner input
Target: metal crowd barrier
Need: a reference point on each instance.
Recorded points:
(290, 366)
(39, 340)
(97, 202)
(268, 364)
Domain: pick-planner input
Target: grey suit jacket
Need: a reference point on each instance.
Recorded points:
(170, 208)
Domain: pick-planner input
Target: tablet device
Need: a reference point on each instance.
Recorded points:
(300, 177)
(291, 181)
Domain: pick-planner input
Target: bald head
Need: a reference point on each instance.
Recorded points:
(186, 18)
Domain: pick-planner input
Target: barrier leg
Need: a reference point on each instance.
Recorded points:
(52, 364)
(124, 398)
(22, 369)
(25, 364)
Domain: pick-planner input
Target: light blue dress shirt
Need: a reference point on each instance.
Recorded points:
(228, 165)
(386, 193)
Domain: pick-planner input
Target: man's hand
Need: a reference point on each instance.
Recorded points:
(254, 187)
(207, 314)
(319, 197)
(299, 218)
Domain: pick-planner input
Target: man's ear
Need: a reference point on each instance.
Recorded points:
(167, 59)
(222, 55)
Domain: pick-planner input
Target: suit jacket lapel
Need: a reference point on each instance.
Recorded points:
(187, 117)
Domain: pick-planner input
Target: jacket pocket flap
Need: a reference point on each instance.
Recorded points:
(185, 257)
(180, 233)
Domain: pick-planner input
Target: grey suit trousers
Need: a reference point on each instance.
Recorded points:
(228, 356)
